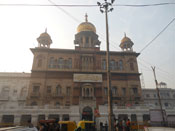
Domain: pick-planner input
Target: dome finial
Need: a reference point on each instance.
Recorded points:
(86, 26)
(86, 17)
(46, 30)
(124, 34)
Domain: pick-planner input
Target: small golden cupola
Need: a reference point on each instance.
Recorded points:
(44, 40)
(86, 26)
(126, 44)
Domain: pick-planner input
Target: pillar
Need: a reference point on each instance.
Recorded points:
(17, 119)
(139, 117)
(0, 118)
(34, 119)
(46, 116)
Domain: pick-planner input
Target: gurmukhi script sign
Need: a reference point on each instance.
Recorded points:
(87, 78)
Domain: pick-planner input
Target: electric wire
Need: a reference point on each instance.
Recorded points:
(96, 6)
(78, 21)
(111, 43)
(161, 74)
(67, 13)
(71, 5)
(157, 35)
(143, 65)
(167, 77)
(167, 73)
(74, 18)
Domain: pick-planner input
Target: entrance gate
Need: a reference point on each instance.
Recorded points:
(87, 114)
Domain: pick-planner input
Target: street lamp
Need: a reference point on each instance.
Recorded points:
(105, 8)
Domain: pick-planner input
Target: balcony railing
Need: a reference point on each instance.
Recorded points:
(116, 98)
(86, 98)
(56, 95)
(21, 98)
(35, 95)
(4, 98)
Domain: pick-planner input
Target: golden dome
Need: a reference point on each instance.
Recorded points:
(126, 43)
(45, 35)
(125, 39)
(44, 38)
(86, 26)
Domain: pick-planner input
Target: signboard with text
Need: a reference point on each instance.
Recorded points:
(87, 78)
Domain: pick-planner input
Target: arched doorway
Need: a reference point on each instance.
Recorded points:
(122, 117)
(87, 113)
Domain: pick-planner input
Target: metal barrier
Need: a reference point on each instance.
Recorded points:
(6, 125)
(139, 125)
(11, 128)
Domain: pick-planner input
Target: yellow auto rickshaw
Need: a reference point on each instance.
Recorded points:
(67, 125)
(86, 125)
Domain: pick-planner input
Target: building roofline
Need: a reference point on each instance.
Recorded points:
(57, 50)
(14, 74)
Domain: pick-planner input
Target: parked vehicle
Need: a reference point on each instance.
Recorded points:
(86, 125)
(67, 125)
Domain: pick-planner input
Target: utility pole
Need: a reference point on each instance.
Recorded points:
(105, 8)
(158, 94)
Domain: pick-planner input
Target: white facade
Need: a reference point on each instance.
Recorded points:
(13, 89)
(13, 92)
(167, 96)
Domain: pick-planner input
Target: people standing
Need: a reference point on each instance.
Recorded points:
(106, 126)
(120, 126)
(128, 124)
(30, 125)
(124, 125)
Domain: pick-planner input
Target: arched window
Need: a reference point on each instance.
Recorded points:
(114, 90)
(55, 63)
(34, 103)
(81, 39)
(103, 64)
(49, 89)
(106, 91)
(66, 64)
(57, 104)
(123, 91)
(87, 40)
(39, 63)
(36, 88)
(5, 92)
(121, 65)
(69, 63)
(61, 63)
(116, 66)
(91, 93)
(68, 91)
(84, 92)
(58, 89)
(87, 92)
(112, 64)
(23, 92)
(51, 62)
(135, 90)
(131, 64)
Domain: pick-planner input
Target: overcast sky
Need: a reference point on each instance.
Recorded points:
(20, 26)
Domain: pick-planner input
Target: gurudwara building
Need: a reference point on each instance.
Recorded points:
(71, 84)
(77, 77)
